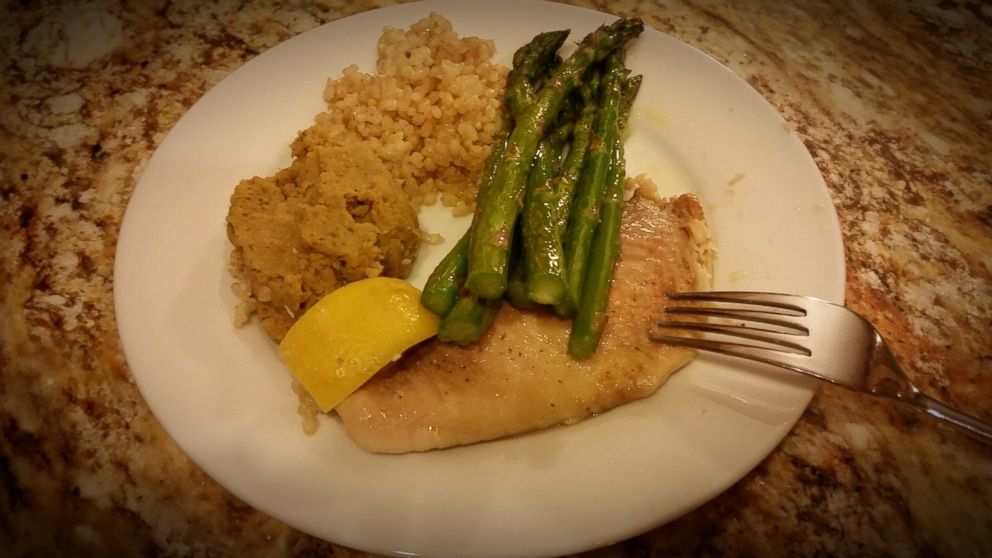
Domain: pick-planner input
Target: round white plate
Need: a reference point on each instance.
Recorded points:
(224, 396)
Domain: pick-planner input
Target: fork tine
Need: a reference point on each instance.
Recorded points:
(774, 300)
(739, 314)
(774, 357)
(843, 347)
(784, 340)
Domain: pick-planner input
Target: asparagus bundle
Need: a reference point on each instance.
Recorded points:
(530, 62)
(585, 207)
(465, 316)
(547, 207)
(546, 226)
(441, 290)
(604, 250)
(489, 249)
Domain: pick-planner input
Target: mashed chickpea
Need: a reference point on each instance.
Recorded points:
(418, 130)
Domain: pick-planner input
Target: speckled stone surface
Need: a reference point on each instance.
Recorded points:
(893, 100)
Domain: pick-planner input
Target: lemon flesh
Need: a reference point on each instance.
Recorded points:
(352, 333)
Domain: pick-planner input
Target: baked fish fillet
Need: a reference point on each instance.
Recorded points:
(519, 376)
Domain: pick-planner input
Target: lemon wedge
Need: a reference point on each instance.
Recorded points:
(351, 333)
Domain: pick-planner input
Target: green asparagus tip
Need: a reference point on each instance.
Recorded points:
(632, 26)
(541, 49)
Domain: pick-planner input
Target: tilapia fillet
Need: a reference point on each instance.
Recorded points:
(519, 377)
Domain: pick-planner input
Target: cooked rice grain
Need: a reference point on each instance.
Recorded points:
(430, 114)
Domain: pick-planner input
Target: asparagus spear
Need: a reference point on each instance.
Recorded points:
(471, 316)
(492, 229)
(546, 161)
(629, 92)
(529, 61)
(545, 215)
(540, 185)
(441, 288)
(587, 327)
(589, 193)
(516, 289)
(468, 320)
(591, 315)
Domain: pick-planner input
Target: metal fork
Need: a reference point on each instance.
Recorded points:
(806, 335)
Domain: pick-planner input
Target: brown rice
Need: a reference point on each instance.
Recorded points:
(430, 114)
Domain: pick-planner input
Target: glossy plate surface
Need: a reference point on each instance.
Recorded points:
(224, 396)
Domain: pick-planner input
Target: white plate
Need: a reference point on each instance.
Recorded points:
(224, 396)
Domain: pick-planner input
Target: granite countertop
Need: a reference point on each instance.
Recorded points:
(891, 98)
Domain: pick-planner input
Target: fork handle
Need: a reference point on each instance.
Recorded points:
(978, 429)
(886, 379)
